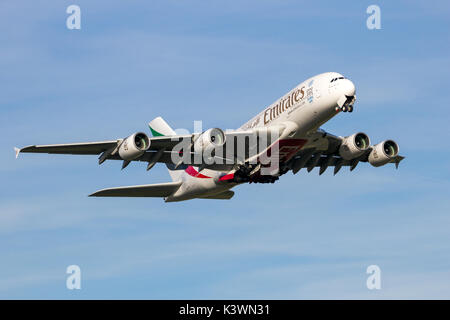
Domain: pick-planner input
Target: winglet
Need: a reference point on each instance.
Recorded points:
(17, 151)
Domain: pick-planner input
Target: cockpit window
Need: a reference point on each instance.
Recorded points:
(335, 79)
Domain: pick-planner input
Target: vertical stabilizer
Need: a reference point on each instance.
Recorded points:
(159, 128)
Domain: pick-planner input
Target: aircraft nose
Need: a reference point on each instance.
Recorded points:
(347, 87)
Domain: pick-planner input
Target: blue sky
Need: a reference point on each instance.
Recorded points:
(221, 62)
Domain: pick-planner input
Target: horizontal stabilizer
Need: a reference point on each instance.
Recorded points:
(222, 196)
(147, 190)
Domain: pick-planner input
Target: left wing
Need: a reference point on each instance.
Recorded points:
(326, 150)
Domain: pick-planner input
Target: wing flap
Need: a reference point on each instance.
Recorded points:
(148, 190)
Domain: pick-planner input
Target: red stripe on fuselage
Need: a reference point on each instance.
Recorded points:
(229, 176)
(287, 148)
(194, 173)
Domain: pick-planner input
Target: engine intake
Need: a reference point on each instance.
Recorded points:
(383, 152)
(354, 146)
(134, 146)
(208, 141)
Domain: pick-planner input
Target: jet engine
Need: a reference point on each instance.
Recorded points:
(383, 152)
(354, 146)
(208, 141)
(134, 146)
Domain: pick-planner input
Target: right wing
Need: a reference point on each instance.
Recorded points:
(179, 150)
(92, 148)
(161, 148)
(147, 190)
(72, 148)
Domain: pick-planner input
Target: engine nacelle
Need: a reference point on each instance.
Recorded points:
(208, 141)
(383, 152)
(354, 146)
(134, 146)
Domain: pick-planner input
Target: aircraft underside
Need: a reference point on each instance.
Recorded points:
(285, 136)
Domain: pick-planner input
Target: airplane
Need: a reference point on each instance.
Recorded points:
(285, 136)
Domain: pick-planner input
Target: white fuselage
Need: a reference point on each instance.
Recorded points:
(309, 105)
